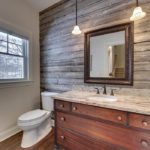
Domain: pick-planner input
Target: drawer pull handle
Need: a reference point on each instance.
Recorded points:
(144, 143)
(145, 123)
(119, 118)
(62, 137)
(62, 119)
(74, 108)
(61, 105)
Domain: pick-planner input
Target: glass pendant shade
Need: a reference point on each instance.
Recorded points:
(76, 30)
(137, 14)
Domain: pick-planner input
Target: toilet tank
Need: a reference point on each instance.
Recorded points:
(47, 101)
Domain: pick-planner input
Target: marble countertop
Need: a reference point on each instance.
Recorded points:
(136, 104)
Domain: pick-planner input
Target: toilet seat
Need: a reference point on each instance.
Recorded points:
(33, 117)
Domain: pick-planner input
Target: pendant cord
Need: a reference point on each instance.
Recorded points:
(137, 3)
(76, 12)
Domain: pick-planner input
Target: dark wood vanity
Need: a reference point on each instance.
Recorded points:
(85, 127)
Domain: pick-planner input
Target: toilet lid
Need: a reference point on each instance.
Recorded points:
(32, 115)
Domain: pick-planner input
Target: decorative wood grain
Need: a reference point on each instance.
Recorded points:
(100, 125)
(75, 141)
(106, 132)
(62, 54)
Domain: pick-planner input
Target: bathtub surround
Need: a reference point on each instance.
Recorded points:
(62, 54)
(17, 98)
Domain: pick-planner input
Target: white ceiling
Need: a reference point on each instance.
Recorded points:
(41, 4)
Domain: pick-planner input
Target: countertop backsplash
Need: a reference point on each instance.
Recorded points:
(119, 91)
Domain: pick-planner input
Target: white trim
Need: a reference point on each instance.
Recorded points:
(8, 133)
(16, 84)
(18, 30)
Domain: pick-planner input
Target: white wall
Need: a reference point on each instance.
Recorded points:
(18, 98)
(120, 52)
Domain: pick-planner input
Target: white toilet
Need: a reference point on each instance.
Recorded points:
(37, 124)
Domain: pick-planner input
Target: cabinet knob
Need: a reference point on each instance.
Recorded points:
(62, 119)
(144, 143)
(119, 118)
(145, 123)
(74, 108)
(62, 137)
(61, 105)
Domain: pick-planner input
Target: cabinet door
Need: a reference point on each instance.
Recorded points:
(74, 141)
(100, 113)
(117, 135)
(61, 105)
(139, 121)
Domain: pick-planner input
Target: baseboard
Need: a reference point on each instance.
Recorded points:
(8, 133)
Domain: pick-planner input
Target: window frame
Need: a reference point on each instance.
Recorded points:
(25, 56)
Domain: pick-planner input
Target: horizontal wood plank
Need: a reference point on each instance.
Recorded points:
(62, 54)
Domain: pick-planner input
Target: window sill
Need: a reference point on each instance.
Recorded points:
(13, 84)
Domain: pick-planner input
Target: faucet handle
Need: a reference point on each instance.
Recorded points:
(98, 91)
(112, 92)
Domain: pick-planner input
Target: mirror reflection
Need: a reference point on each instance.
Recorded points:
(107, 55)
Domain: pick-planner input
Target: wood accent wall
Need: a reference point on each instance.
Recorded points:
(62, 54)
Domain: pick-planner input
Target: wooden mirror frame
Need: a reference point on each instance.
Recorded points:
(129, 49)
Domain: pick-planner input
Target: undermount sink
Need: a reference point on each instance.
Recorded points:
(103, 98)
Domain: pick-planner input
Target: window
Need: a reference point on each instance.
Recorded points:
(13, 57)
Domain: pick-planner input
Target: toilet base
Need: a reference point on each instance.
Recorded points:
(35, 135)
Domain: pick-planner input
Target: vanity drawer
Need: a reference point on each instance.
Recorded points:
(117, 135)
(74, 141)
(100, 113)
(61, 105)
(139, 121)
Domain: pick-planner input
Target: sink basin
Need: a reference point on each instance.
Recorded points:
(103, 98)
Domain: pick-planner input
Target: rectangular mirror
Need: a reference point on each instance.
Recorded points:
(109, 55)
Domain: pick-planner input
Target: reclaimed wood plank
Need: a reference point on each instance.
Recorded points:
(62, 54)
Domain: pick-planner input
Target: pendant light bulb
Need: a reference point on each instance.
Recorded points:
(76, 30)
(137, 13)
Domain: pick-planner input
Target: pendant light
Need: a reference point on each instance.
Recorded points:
(137, 13)
(76, 29)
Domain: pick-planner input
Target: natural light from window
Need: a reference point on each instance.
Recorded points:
(13, 57)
